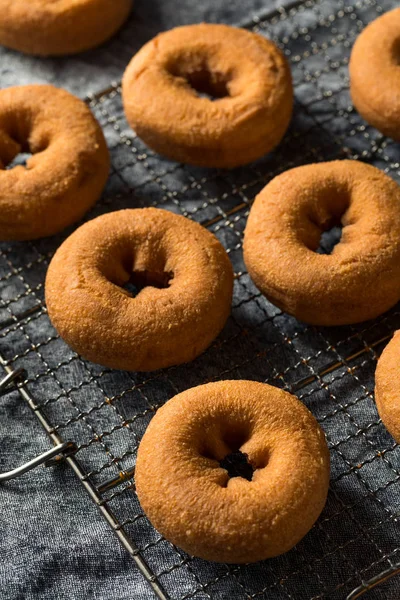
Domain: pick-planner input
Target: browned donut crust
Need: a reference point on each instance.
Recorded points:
(247, 74)
(190, 498)
(387, 386)
(360, 279)
(375, 74)
(185, 303)
(57, 27)
(68, 169)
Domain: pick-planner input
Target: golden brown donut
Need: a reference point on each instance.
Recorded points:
(248, 76)
(56, 27)
(190, 498)
(375, 74)
(387, 386)
(186, 300)
(360, 279)
(68, 169)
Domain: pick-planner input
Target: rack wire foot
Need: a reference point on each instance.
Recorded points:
(50, 457)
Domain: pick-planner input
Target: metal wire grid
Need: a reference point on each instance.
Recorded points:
(106, 412)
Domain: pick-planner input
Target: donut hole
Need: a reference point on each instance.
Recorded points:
(326, 219)
(329, 239)
(216, 445)
(208, 453)
(16, 146)
(13, 153)
(206, 82)
(236, 462)
(224, 444)
(237, 465)
(235, 437)
(19, 159)
(142, 279)
(396, 52)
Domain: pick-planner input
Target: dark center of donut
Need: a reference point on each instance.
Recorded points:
(237, 465)
(329, 238)
(16, 147)
(19, 160)
(324, 214)
(396, 52)
(207, 84)
(141, 279)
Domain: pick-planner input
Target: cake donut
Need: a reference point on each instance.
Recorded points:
(185, 276)
(56, 27)
(375, 74)
(67, 170)
(387, 386)
(165, 84)
(189, 496)
(360, 279)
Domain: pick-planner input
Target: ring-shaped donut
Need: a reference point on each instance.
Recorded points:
(375, 74)
(67, 170)
(360, 279)
(246, 74)
(387, 386)
(190, 498)
(185, 276)
(57, 27)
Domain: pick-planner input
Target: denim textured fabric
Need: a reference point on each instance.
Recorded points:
(54, 544)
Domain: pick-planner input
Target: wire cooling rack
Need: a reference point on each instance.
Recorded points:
(105, 413)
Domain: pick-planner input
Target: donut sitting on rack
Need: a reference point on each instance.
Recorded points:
(375, 74)
(209, 95)
(360, 279)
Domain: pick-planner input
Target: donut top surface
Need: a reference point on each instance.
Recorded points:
(361, 277)
(375, 73)
(245, 73)
(192, 500)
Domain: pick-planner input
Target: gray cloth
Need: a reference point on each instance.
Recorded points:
(54, 544)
